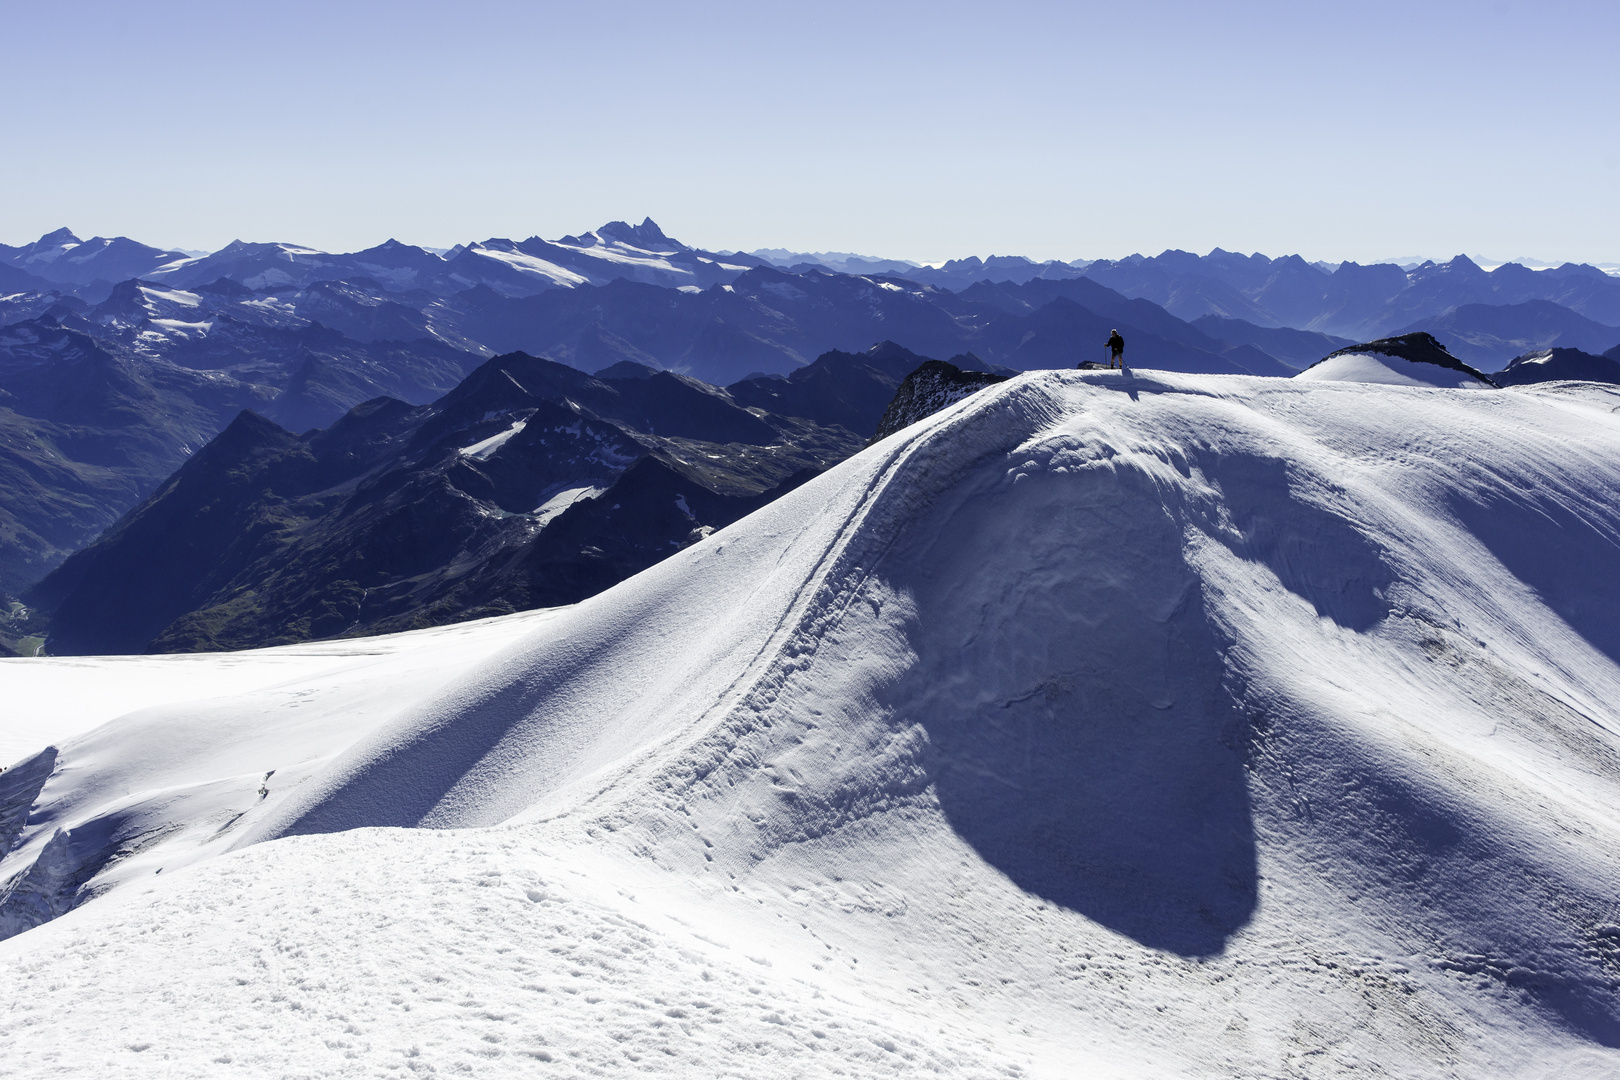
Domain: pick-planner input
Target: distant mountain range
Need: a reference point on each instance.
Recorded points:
(615, 251)
(1483, 333)
(119, 360)
(1351, 301)
(1561, 365)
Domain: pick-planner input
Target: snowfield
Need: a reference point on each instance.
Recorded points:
(1102, 724)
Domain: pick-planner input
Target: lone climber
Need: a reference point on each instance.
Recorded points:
(1116, 349)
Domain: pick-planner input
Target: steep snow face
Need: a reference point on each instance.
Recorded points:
(1389, 371)
(174, 297)
(484, 448)
(1144, 726)
(531, 265)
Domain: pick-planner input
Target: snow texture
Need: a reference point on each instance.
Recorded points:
(1148, 725)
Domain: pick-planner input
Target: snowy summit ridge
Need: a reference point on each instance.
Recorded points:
(1148, 725)
(1415, 359)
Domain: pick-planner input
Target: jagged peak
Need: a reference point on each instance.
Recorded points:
(647, 236)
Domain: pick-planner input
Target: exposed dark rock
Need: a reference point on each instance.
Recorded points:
(1418, 348)
(529, 484)
(932, 387)
(1552, 365)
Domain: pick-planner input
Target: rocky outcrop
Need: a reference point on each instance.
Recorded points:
(930, 388)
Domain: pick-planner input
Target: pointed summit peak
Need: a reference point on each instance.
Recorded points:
(59, 238)
(647, 236)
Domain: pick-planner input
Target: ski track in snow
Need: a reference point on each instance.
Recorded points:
(1104, 725)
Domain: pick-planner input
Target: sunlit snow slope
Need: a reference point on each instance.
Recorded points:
(1141, 725)
(1374, 367)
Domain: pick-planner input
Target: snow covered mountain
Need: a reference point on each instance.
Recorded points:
(62, 257)
(1346, 299)
(1144, 725)
(1408, 360)
(513, 268)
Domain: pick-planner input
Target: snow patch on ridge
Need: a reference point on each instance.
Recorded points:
(179, 297)
(532, 266)
(484, 448)
(555, 504)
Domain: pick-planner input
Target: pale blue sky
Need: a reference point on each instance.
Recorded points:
(924, 131)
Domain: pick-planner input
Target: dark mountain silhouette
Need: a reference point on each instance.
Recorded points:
(850, 390)
(14, 282)
(88, 433)
(1436, 288)
(1301, 348)
(99, 408)
(1487, 335)
(1144, 317)
(1552, 365)
(766, 321)
(529, 484)
(1064, 333)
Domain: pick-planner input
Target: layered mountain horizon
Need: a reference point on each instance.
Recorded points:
(620, 251)
(120, 361)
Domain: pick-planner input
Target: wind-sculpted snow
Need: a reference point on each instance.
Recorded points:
(1099, 724)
